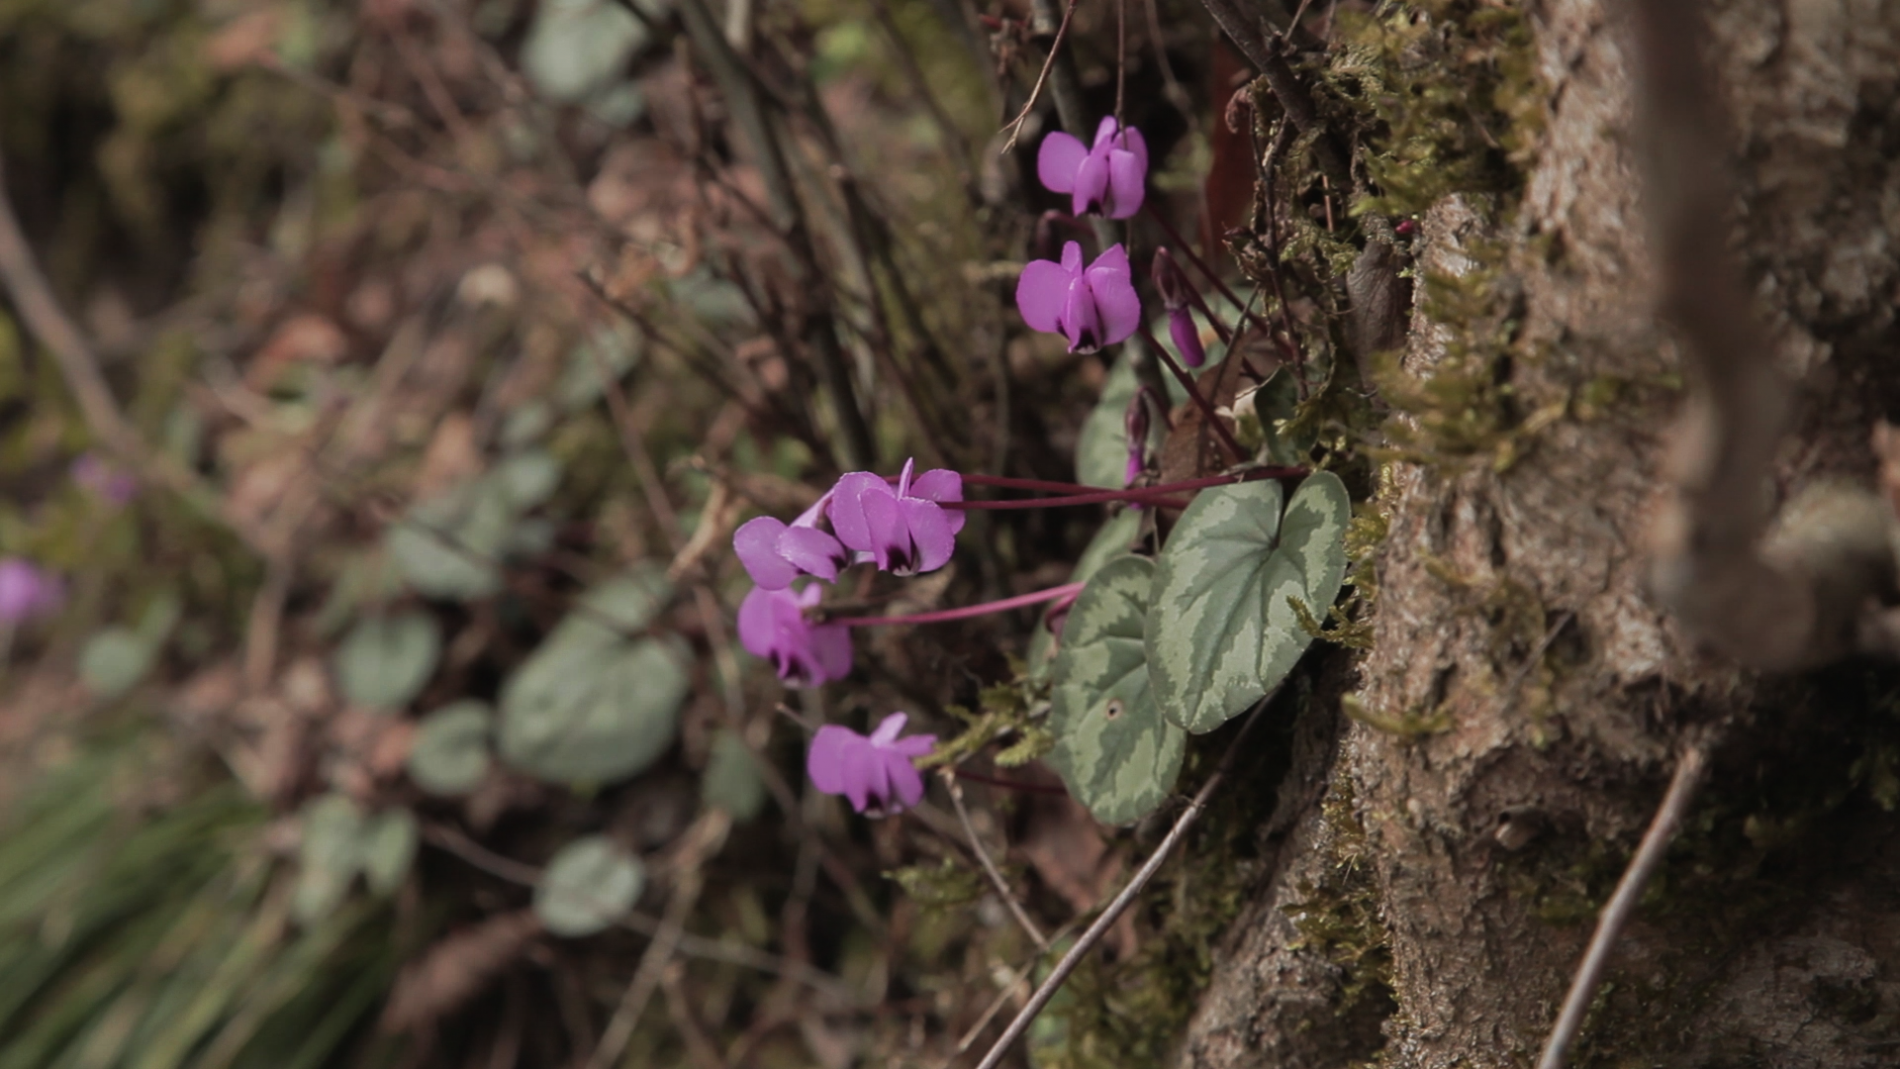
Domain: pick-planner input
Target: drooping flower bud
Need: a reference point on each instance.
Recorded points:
(1176, 294)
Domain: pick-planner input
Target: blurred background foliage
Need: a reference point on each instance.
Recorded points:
(417, 735)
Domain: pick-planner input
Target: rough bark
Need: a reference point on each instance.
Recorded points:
(1512, 631)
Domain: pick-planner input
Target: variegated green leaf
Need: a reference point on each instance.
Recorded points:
(1309, 563)
(1117, 754)
(1221, 629)
(1111, 541)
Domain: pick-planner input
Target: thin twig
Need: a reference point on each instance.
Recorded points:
(1126, 898)
(1015, 126)
(1690, 768)
(33, 298)
(996, 877)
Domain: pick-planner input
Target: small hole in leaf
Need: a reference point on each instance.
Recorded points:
(1114, 708)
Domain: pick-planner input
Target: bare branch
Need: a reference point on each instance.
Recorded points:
(1629, 890)
(1060, 974)
(1793, 601)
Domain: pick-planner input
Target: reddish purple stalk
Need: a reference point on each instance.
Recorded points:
(966, 611)
(1160, 494)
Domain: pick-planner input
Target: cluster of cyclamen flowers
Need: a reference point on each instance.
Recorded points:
(1096, 305)
(909, 525)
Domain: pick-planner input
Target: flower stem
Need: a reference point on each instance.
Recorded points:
(1234, 452)
(1207, 272)
(1160, 494)
(963, 612)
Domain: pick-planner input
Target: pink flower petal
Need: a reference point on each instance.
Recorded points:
(809, 550)
(904, 781)
(888, 539)
(929, 531)
(1132, 141)
(889, 728)
(1040, 293)
(1091, 184)
(758, 622)
(1072, 258)
(942, 484)
(1104, 130)
(757, 544)
(1081, 323)
(847, 507)
(1113, 296)
(1127, 184)
(824, 762)
(1057, 161)
(1186, 339)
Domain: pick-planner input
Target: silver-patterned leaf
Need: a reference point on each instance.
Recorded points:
(1114, 749)
(1111, 541)
(1309, 563)
(589, 884)
(582, 712)
(385, 661)
(451, 753)
(1207, 620)
(1222, 631)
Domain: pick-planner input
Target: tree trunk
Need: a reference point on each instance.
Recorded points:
(1435, 877)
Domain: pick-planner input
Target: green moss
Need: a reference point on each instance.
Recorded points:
(1338, 915)
(1450, 92)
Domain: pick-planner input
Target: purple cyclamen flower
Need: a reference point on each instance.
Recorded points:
(103, 479)
(1092, 307)
(1173, 286)
(902, 528)
(27, 591)
(775, 553)
(1110, 177)
(772, 625)
(876, 772)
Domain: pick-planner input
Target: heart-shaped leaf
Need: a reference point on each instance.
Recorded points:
(1222, 631)
(447, 547)
(1114, 749)
(1110, 542)
(1309, 564)
(587, 713)
(590, 884)
(451, 752)
(385, 661)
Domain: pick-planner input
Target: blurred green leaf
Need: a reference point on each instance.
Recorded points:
(114, 660)
(384, 662)
(528, 478)
(583, 712)
(450, 546)
(388, 849)
(451, 754)
(329, 856)
(731, 781)
(588, 886)
(576, 47)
